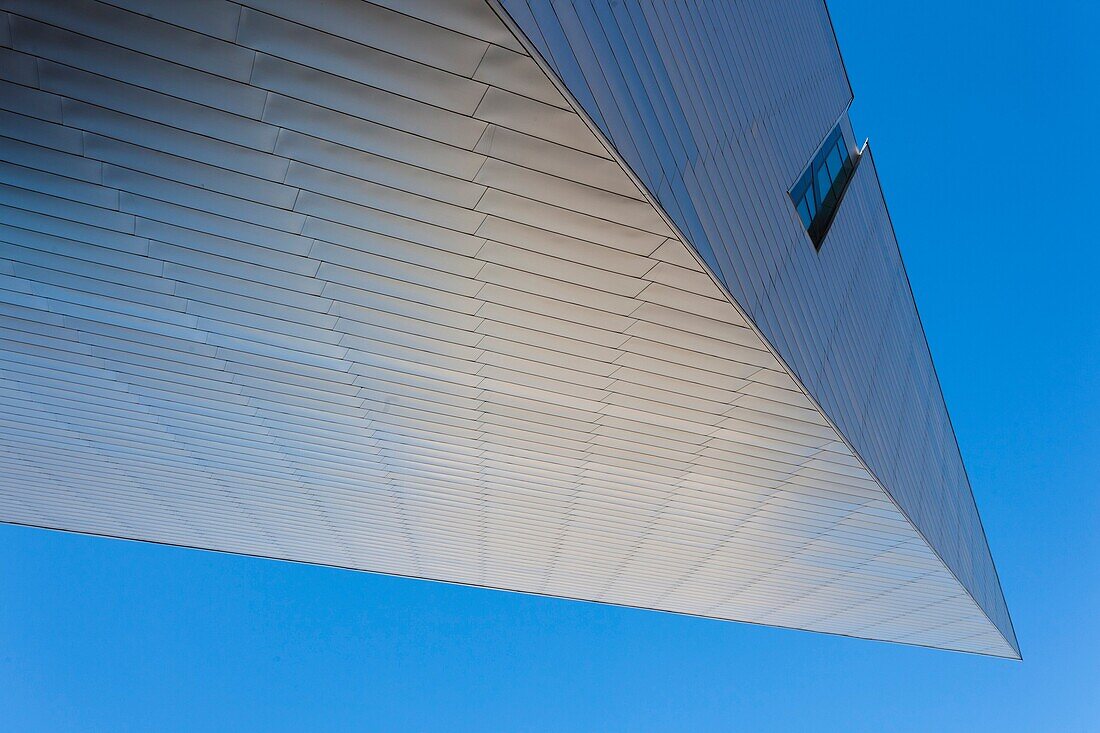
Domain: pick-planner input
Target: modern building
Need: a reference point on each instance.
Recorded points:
(584, 298)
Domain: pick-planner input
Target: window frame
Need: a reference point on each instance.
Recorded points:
(823, 205)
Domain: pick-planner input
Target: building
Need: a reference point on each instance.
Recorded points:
(590, 299)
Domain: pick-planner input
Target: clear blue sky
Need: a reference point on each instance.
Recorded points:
(984, 123)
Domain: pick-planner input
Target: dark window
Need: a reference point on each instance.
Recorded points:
(821, 186)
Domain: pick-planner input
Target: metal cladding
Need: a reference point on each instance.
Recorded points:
(403, 286)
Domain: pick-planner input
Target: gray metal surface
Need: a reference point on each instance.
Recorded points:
(357, 285)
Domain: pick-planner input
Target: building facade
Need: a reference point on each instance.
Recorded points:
(585, 298)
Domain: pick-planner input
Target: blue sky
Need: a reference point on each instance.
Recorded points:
(984, 126)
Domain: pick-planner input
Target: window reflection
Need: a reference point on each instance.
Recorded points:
(819, 189)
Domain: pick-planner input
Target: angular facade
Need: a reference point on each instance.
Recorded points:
(590, 299)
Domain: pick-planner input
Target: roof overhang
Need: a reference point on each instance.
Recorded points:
(389, 302)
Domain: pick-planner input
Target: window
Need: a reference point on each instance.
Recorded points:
(821, 186)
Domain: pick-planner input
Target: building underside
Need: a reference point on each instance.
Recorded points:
(372, 286)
